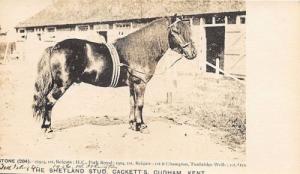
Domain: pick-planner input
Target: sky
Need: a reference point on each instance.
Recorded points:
(14, 11)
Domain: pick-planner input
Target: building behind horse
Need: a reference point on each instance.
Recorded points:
(218, 26)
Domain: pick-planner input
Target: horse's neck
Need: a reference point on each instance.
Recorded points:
(153, 39)
(163, 42)
(160, 40)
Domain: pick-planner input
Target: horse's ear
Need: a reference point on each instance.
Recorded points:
(180, 17)
(173, 18)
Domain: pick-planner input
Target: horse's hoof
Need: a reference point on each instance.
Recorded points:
(144, 129)
(48, 133)
(143, 126)
(136, 126)
(140, 127)
(132, 125)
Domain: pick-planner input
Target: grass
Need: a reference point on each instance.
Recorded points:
(217, 104)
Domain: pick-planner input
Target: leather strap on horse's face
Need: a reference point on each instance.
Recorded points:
(175, 33)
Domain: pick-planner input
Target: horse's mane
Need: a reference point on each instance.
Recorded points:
(184, 30)
(159, 21)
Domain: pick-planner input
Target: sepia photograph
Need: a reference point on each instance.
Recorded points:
(123, 80)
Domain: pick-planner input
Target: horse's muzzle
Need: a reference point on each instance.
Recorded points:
(190, 55)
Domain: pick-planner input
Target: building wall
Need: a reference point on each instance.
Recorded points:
(234, 43)
(234, 48)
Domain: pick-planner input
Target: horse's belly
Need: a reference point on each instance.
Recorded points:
(102, 79)
(96, 77)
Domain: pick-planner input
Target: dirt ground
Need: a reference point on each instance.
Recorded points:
(91, 122)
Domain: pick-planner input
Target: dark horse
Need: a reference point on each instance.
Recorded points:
(74, 61)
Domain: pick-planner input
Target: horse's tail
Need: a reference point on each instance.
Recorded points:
(43, 85)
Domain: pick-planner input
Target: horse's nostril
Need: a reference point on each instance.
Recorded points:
(194, 53)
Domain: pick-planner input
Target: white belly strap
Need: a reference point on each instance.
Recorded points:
(116, 65)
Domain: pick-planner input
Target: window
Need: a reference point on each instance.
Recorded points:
(30, 30)
(65, 28)
(22, 33)
(208, 20)
(51, 29)
(123, 25)
(231, 19)
(137, 25)
(243, 19)
(196, 21)
(83, 27)
(220, 19)
(38, 29)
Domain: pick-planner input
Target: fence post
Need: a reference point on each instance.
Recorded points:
(6, 51)
(217, 66)
(171, 90)
(169, 97)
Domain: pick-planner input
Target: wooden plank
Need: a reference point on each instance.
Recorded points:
(6, 50)
(235, 50)
(225, 73)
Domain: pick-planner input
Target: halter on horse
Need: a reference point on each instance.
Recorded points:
(179, 39)
(75, 61)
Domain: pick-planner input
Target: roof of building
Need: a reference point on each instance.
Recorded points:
(63, 12)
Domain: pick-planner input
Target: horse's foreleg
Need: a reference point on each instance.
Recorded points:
(139, 91)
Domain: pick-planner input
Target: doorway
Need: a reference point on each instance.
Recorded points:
(215, 42)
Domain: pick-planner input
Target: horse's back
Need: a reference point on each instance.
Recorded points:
(68, 59)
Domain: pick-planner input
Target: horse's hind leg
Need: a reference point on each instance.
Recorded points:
(132, 106)
(139, 91)
(52, 98)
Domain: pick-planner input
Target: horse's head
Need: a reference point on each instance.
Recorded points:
(180, 38)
